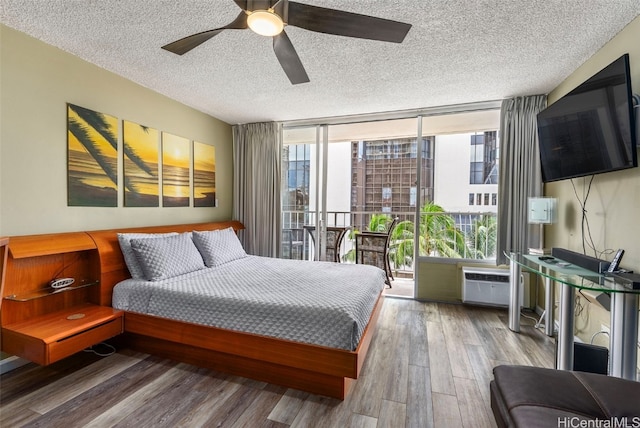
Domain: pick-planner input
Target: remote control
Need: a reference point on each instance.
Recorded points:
(61, 282)
(615, 263)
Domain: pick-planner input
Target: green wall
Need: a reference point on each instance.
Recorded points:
(36, 82)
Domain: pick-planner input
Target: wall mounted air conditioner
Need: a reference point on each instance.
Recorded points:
(488, 286)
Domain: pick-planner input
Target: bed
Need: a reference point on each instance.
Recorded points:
(267, 351)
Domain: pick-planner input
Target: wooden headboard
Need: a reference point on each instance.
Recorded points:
(112, 266)
(4, 252)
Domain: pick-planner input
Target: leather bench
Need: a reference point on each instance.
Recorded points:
(533, 397)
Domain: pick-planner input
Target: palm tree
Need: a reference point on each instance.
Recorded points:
(379, 222)
(439, 235)
(482, 237)
(401, 247)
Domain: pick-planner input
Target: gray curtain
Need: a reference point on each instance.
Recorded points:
(520, 175)
(256, 186)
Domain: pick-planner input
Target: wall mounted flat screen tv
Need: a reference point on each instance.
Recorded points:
(590, 130)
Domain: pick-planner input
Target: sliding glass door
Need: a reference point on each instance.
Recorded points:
(340, 180)
(434, 172)
(304, 193)
(380, 160)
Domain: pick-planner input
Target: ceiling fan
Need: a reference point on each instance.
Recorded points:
(268, 18)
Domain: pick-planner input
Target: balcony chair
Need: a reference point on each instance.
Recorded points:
(292, 239)
(372, 248)
(335, 235)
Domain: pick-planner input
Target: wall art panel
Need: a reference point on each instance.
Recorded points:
(92, 158)
(140, 161)
(204, 175)
(176, 164)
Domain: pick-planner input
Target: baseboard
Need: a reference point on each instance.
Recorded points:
(12, 363)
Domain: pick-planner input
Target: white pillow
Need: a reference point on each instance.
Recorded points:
(218, 246)
(162, 258)
(129, 256)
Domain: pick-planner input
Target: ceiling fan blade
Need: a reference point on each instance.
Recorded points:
(184, 45)
(341, 23)
(242, 4)
(252, 5)
(289, 59)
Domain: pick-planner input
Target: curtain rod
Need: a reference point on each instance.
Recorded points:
(399, 114)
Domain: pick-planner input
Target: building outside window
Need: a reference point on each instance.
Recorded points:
(296, 163)
(384, 176)
(484, 155)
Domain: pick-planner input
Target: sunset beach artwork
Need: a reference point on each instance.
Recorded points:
(204, 175)
(176, 166)
(140, 161)
(92, 158)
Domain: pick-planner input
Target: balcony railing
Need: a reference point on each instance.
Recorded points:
(441, 234)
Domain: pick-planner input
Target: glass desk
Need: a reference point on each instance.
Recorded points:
(624, 308)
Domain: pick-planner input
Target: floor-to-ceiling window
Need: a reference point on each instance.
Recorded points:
(459, 222)
(435, 171)
(296, 167)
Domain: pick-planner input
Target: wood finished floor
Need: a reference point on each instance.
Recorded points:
(429, 366)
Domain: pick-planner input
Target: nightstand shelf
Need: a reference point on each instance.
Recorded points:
(38, 294)
(43, 324)
(51, 337)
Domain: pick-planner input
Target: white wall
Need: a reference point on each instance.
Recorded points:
(338, 177)
(451, 176)
(37, 82)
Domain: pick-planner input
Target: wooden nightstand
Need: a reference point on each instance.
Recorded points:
(51, 337)
(43, 324)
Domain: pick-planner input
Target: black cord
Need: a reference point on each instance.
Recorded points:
(63, 268)
(587, 239)
(109, 351)
(580, 291)
(590, 242)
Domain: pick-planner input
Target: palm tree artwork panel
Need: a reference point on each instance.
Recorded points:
(176, 170)
(92, 158)
(140, 162)
(204, 175)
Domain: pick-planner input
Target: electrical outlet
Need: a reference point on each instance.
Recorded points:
(605, 328)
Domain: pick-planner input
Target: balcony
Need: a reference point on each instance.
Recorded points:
(442, 234)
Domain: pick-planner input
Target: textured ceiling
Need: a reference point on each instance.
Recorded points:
(458, 51)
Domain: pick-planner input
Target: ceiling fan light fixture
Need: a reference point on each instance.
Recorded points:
(265, 23)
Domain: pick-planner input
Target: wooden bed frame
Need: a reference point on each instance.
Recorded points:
(316, 369)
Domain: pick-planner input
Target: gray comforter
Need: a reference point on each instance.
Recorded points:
(320, 303)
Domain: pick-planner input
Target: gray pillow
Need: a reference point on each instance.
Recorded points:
(162, 258)
(129, 256)
(218, 246)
